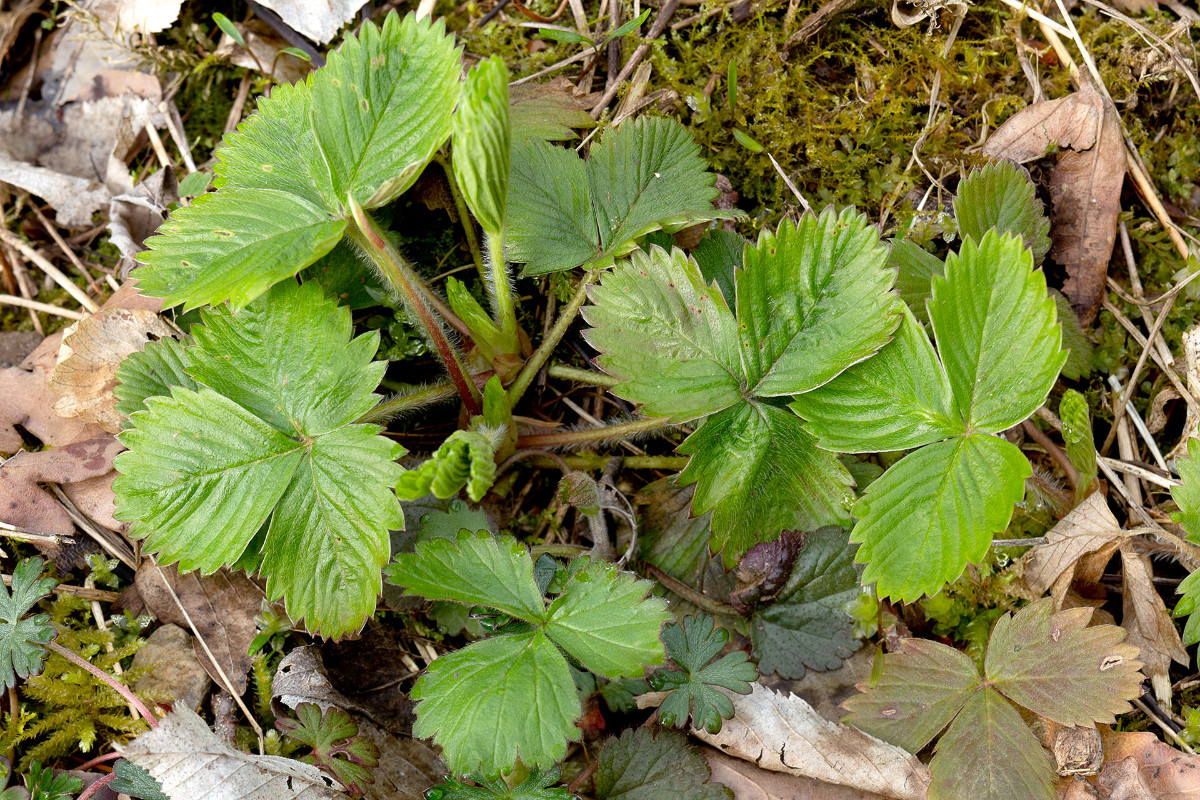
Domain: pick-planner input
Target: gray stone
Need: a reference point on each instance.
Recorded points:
(174, 669)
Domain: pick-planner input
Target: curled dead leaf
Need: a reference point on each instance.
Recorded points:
(24, 504)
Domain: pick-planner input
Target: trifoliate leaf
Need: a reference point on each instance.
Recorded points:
(813, 299)
(564, 212)
(759, 472)
(151, 372)
(668, 335)
(605, 619)
(498, 700)
(465, 459)
(21, 637)
(536, 787)
(898, 400)
(915, 268)
(481, 142)
(989, 753)
(382, 105)
(1059, 668)
(807, 625)
(719, 257)
(476, 569)
(935, 511)
(692, 644)
(646, 765)
(1187, 495)
(922, 688)
(1001, 197)
(233, 245)
(1077, 434)
(336, 744)
(135, 781)
(204, 472)
(997, 332)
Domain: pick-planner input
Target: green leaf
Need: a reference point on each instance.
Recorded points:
(466, 458)
(547, 111)
(997, 332)
(989, 753)
(336, 744)
(645, 765)
(692, 644)
(630, 26)
(1189, 587)
(194, 184)
(759, 472)
(1059, 668)
(476, 569)
(296, 52)
(915, 268)
(1075, 340)
(151, 372)
(535, 787)
(233, 245)
(136, 782)
(1077, 434)
(346, 278)
(44, 784)
(1001, 197)
(898, 400)
(382, 105)
(747, 141)
(227, 26)
(564, 36)
(486, 334)
(22, 638)
(667, 334)
(204, 471)
(719, 257)
(564, 212)
(1187, 495)
(482, 141)
(605, 619)
(498, 700)
(807, 625)
(936, 510)
(921, 690)
(310, 380)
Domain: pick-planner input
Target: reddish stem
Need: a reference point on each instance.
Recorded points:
(113, 756)
(98, 785)
(109, 679)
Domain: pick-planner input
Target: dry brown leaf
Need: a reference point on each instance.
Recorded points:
(1168, 773)
(784, 734)
(222, 606)
(26, 401)
(749, 782)
(26, 505)
(91, 351)
(1085, 186)
(1123, 781)
(265, 44)
(173, 672)
(1076, 549)
(1145, 618)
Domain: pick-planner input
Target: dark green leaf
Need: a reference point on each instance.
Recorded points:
(337, 746)
(644, 765)
(21, 638)
(151, 372)
(136, 782)
(692, 644)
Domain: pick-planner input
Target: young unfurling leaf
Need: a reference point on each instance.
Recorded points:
(466, 458)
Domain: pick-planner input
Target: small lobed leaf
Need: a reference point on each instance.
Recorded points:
(538, 786)
(935, 511)
(465, 459)
(997, 332)
(692, 644)
(22, 638)
(1187, 494)
(498, 700)
(646, 765)
(1001, 197)
(481, 140)
(476, 568)
(135, 781)
(607, 620)
(1058, 667)
(151, 372)
(807, 626)
(336, 744)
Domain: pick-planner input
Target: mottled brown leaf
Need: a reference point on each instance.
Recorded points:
(765, 570)
(26, 505)
(1169, 774)
(1090, 529)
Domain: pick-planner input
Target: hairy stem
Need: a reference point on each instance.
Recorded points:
(98, 785)
(588, 376)
(601, 434)
(404, 282)
(700, 601)
(79, 661)
(410, 401)
(561, 325)
(504, 307)
(464, 216)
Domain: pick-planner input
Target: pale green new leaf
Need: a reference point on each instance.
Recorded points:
(1059, 668)
(806, 626)
(22, 637)
(275, 359)
(465, 459)
(151, 372)
(1187, 495)
(476, 569)
(759, 472)
(667, 334)
(1189, 587)
(328, 539)
(234, 244)
(989, 753)
(936, 510)
(1077, 434)
(997, 332)
(606, 619)
(1001, 197)
(643, 764)
(381, 107)
(921, 690)
(200, 477)
(915, 268)
(498, 700)
(813, 299)
(482, 139)
(897, 400)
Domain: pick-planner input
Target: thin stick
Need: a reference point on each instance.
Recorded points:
(1054, 452)
(227, 684)
(64, 247)
(117, 549)
(45, 308)
(1163, 364)
(660, 24)
(78, 591)
(1142, 430)
(546, 348)
(590, 377)
(157, 144)
(1034, 14)
(570, 438)
(1167, 729)
(116, 685)
(51, 270)
(1147, 475)
(1126, 396)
